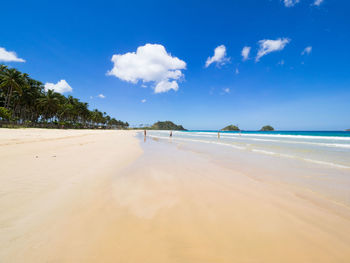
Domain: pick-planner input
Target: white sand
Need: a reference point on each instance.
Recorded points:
(52, 181)
(91, 196)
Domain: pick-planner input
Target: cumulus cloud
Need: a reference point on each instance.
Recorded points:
(290, 3)
(318, 2)
(166, 85)
(150, 63)
(245, 53)
(227, 90)
(307, 50)
(9, 56)
(219, 57)
(60, 87)
(101, 96)
(143, 101)
(267, 46)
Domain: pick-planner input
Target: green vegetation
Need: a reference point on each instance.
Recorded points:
(5, 114)
(25, 103)
(231, 128)
(166, 125)
(267, 128)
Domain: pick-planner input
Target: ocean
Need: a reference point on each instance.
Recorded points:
(323, 148)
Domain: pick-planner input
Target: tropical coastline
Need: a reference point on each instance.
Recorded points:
(105, 191)
(175, 131)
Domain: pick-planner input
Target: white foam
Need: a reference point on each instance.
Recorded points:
(272, 135)
(257, 151)
(322, 144)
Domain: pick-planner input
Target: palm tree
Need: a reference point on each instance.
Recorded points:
(11, 79)
(49, 104)
(29, 98)
(27, 102)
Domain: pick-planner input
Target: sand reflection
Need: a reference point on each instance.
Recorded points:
(145, 192)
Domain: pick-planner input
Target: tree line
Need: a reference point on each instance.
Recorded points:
(24, 102)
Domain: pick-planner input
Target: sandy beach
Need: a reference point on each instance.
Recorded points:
(107, 196)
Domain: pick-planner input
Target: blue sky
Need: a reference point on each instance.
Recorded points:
(74, 41)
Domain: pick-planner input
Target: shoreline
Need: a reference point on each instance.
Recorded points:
(322, 150)
(111, 196)
(203, 209)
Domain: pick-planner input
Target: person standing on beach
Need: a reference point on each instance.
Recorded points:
(145, 133)
(171, 134)
(218, 134)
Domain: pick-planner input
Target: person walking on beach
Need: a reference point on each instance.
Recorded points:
(171, 134)
(218, 134)
(144, 133)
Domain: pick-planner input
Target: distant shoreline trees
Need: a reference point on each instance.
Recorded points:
(236, 128)
(164, 125)
(24, 102)
(267, 128)
(231, 128)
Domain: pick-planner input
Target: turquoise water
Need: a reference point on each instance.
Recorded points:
(323, 148)
(292, 133)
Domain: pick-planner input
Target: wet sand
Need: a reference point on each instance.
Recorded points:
(101, 200)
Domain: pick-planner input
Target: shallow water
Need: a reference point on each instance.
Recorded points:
(297, 162)
(322, 148)
(206, 202)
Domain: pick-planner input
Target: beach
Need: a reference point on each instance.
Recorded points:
(54, 192)
(113, 196)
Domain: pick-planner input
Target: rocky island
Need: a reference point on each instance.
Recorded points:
(167, 125)
(231, 128)
(267, 128)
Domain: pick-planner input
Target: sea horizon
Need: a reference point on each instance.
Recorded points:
(281, 132)
(175, 131)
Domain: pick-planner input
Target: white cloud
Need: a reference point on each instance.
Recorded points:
(9, 56)
(227, 90)
(245, 53)
(318, 2)
(150, 63)
(236, 71)
(166, 85)
(290, 3)
(281, 62)
(143, 101)
(267, 46)
(219, 57)
(101, 96)
(60, 87)
(307, 50)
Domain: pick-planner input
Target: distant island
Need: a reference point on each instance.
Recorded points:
(347, 130)
(267, 128)
(166, 125)
(231, 128)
